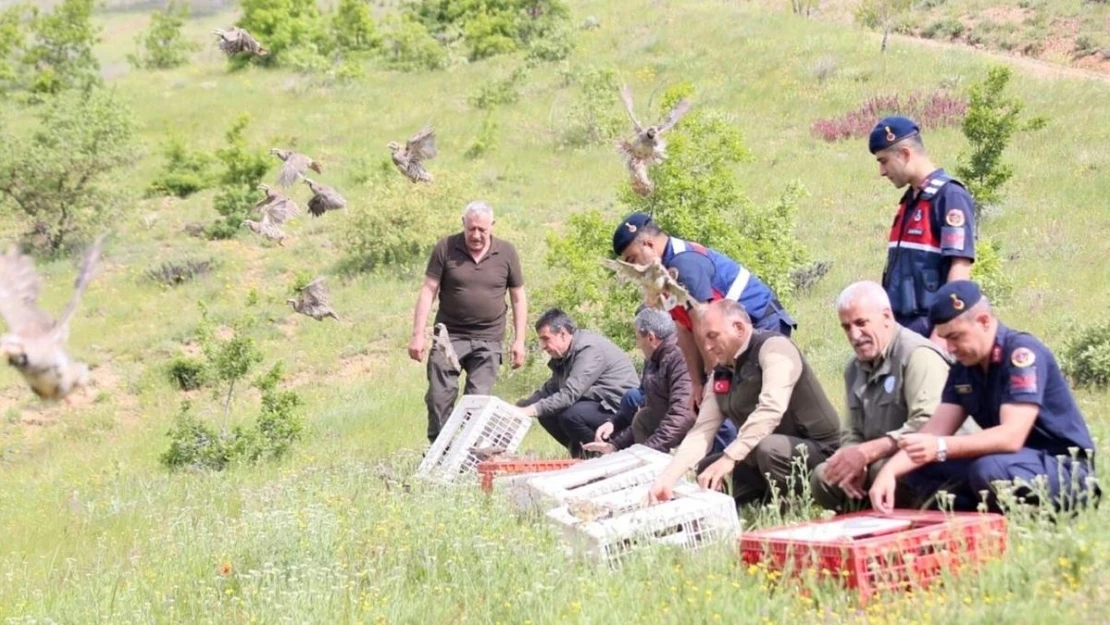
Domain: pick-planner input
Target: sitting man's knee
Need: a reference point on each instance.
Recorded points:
(986, 470)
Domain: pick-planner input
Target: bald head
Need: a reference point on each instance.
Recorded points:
(723, 329)
(866, 318)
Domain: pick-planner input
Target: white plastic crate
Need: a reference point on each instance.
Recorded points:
(608, 526)
(629, 467)
(477, 422)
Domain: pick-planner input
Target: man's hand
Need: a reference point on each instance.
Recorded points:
(882, 492)
(922, 448)
(604, 432)
(517, 354)
(662, 489)
(599, 447)
(528, 411)
(847, 463)
(713, 476)
(853, 486)
(416, 348)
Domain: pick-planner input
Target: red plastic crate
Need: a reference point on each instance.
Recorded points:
(881, 560)
(489, 469)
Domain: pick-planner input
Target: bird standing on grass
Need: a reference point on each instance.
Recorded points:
(294, 166)
(647, 147)
(236, 40)
(410, 159)
(35, 343)
(314, 301)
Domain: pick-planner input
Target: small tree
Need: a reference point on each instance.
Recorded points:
(58, 177)
(186, 171)
(161, 45)
(992, 119)
(294, 32)
(228, 360)
(881, 14)
(244, 168)
(59, 54)
(352, 26)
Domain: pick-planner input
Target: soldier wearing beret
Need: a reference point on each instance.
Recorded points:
(1010, 384)
(932, 240)
(708, 275)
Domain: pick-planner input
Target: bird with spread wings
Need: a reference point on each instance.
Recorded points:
(647, 146)
(324, 198)
(294, 165)
(275, 208)
(659, 287)
(410, 159)
(314, 301)
(36, 344)
(237, 40)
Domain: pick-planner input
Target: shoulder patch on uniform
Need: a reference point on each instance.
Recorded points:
(1023, 357)
(955, 217)
(1024, 382)
(888, 384)
(996, 354)
(963, 389)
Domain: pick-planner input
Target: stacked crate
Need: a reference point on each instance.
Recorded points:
(477, 422)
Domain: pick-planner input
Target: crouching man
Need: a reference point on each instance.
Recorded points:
(667, 414)
(589, 375)
(893, 384)
(764, 384)
(1010, 384)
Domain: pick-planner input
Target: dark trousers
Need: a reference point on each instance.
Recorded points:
(1065, 482)
(480, 360)
(775, 460)
(634, 399)
(576, 425)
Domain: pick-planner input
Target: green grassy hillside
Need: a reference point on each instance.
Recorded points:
(94, 530)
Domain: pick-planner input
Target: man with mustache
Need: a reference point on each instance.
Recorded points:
(470, 272)
(892, 385)
(1011, 385)
(763, 384)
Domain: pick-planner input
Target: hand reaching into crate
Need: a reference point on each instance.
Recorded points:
(714, 475)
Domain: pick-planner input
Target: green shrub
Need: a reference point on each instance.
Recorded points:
(279, 424)
(408, 46)
(492, 27)
(1086, 356)
(353, 28)
(499, 92)
(59, 175)
(595, 116)
(48, 52)
(173, 273)
(402, 236)
(946, 28)
(486, 141)
(186, 373)
(293, 31)
(161, 45)
(185, 173)
(244, 168)
(989, 272)
(194, 443)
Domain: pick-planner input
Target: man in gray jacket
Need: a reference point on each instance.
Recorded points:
(589, 375)
(667, 414)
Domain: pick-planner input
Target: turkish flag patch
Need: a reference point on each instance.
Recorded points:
(953, 238)
(722, 386)
(1024, 382)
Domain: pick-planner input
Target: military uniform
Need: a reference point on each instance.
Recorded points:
(709, 276)
(934, 224)
(1021, 370)
(777, 403)
(893, 395)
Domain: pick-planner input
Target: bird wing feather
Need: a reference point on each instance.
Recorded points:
(422, 145)
(82, 283)
(626, 97)
(280, 210)
(677, 113)
(315, 293)
(19, 293)
(292, 169)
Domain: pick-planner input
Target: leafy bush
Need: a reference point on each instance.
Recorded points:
(486, 141)
(353, 28)
(695, 198)
(57, 176)
(186, 172)
(227, 360)
(492, 27)
(555, 45)
(1086, 356)
(278, 425)
(408, 46)
(946, 28)
(161, 45)
(992, 119)
(173, 273)
(194, 443)
(294, 32)
(49, 52)
(504, 91)
(403, 235)
(243, 170)
(936, 110)
(186, 373)
(989, 272)
(595, 117)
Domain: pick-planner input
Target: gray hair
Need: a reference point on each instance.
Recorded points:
(654, 321)
(732, 310)
(477, 207)
(863, 290)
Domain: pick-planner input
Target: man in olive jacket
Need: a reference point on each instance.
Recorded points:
(589, 375)
(667, 414)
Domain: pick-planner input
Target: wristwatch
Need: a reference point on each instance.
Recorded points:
(942, 449)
